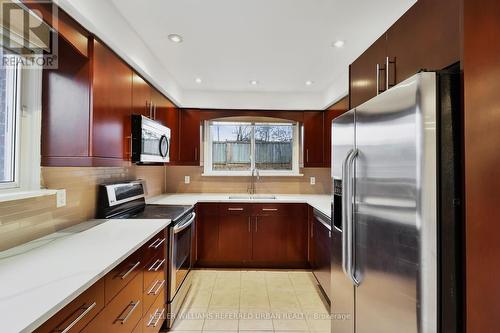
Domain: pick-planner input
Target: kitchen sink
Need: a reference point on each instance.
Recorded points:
(253, 197)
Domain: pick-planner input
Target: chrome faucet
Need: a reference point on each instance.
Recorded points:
(252, 188)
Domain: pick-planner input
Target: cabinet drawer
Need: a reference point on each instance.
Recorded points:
(78, 313)
(274, 209)
(151, 293)
(155, 246)
(123, 313)
(122, 274)
(152, 269)
(235, 209)
(154, 318)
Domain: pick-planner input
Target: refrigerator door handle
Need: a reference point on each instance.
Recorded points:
(347, 216)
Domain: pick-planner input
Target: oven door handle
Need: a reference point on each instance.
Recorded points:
(187, 224)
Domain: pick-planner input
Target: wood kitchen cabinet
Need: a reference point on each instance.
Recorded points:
(331, 113)
(426, 37)
(364, 73)
(141, 96)
(252, 235)
(168, 114)
(189, 133)
(234, 242)
(112, 100)
(314, 139)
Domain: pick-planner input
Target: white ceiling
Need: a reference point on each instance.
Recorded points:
(227, 43)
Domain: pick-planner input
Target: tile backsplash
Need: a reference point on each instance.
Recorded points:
(24, 220)
(265, 185)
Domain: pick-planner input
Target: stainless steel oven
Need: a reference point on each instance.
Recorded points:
(181, 235)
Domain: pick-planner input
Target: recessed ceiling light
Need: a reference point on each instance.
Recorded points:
(309, 83)
(198, 80)
(175, 38)
(339, 43)
(254, 82)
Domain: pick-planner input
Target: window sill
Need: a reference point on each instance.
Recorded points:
(248, 174)
(20, 195)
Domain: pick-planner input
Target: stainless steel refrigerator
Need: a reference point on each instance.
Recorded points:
(396, 212)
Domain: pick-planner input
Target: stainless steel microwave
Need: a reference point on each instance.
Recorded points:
(150, 141)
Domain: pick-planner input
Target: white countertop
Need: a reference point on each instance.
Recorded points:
(39, 278)
(320, 202)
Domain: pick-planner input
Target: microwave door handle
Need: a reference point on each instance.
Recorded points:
(185, 225)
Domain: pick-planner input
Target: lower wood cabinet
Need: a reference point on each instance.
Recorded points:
(252, 235)
(123, 313)
(130, 298)
(78, 313)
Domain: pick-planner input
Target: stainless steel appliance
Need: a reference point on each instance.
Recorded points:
(150, 141)
(126, 200)
(397, 210)
(321, 238)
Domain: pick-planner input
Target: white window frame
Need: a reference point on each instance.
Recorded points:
(207, 153)
(27, 160)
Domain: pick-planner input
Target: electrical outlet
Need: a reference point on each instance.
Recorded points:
(187, 180)
(313, 180)
(61, 198)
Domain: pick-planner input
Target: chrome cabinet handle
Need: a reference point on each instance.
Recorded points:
(157, 317)
(156, 289)
(133, 306)
(269, 209)
(156, 244)
(388, 62)
(124, 275)
(380, 69)
(156, 265)
(235, 209)
(80, 317)
(307, 155)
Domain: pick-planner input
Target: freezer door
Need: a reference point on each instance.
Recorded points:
(395, 210)
(342, 289)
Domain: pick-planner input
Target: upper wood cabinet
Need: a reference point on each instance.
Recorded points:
(111, 101)
(189, 133)
(314, 139)
(425, 37)
(141, 96)
(366, 72)
(331, 113)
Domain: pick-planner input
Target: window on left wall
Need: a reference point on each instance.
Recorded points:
(20, 124)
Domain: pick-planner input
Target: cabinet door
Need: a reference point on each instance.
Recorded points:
(426, 37)
(141, 96)
(322, 248)
(363, 73)
(112, 101)
(269, 245)
(313, 139)
(207, 234)
(168, 114)
(297, 231)
(190, 137)
(333, 112)
(235, 245)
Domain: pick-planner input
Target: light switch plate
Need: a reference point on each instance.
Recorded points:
(187, 180)
(61, 198)
(313, 180)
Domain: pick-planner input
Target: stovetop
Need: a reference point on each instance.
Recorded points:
(171, 212)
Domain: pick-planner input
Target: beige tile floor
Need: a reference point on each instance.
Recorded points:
(253, 301)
